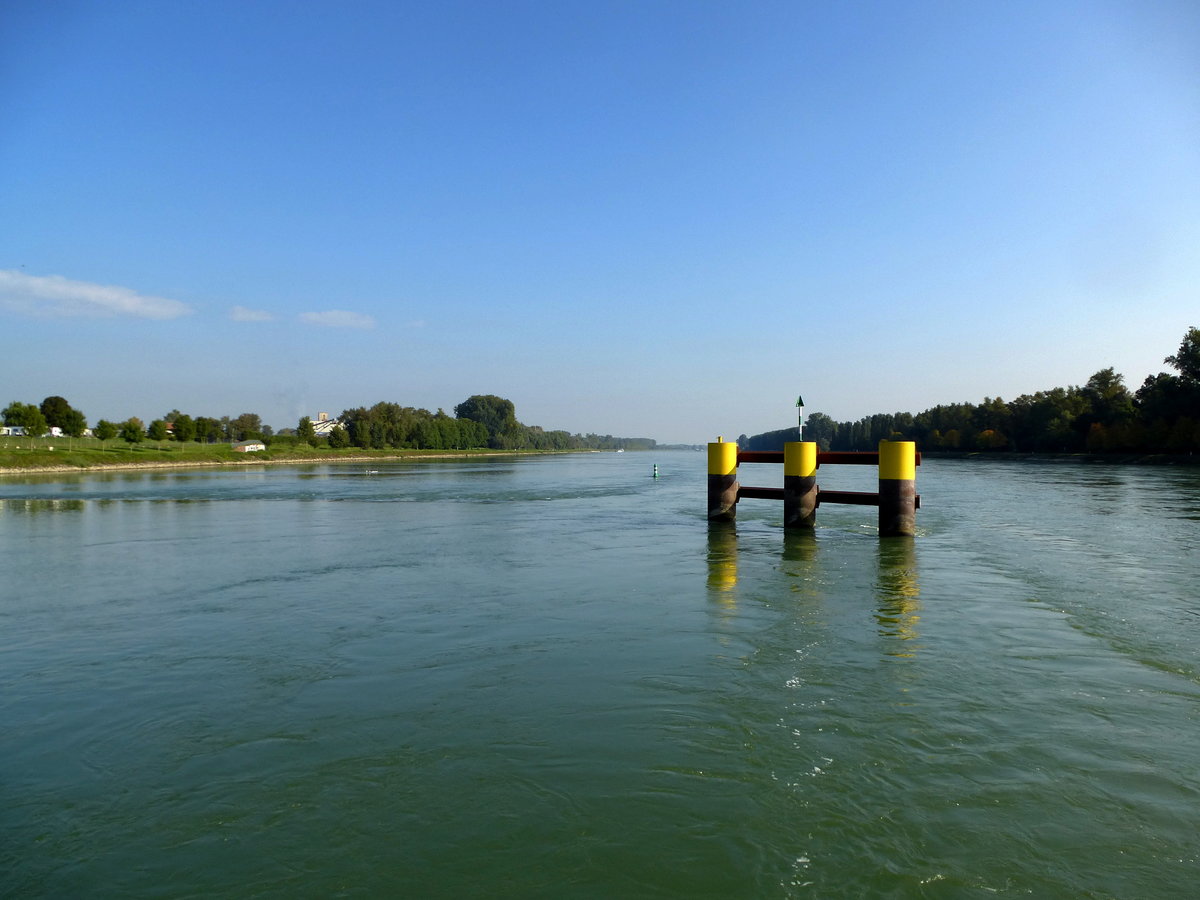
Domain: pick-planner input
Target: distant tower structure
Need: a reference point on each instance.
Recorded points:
(322, 424)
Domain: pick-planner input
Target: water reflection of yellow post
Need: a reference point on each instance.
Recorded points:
(801, 563)
(722, 561)
(799, 546)
(899, 592)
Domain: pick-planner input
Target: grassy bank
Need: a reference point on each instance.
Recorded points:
(56, 454)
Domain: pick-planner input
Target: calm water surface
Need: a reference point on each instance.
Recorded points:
(551, 678)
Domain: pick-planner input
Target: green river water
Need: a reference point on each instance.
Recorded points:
(550, 677)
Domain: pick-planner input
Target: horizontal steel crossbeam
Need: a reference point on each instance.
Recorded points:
(853, 498)
(824, 457)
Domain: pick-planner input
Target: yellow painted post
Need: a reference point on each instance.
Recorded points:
(722, 480)
(800, 484)
(897, 489)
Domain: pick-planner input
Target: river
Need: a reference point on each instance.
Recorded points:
(550, 677)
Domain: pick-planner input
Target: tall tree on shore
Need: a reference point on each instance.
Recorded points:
(28, 417)
(496, 414)
(338, 437)
(105, 431)
(184, 427)
(132, 430)
(247, 426)
(208, 430)
(1186, 360)
(74, 424)
(306, 431)
(56, 410)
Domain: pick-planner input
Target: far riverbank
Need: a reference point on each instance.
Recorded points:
(1124, 459)
(39, 466)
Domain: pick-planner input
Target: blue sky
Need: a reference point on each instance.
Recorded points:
(661, 219)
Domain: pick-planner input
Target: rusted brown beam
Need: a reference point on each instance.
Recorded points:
(760, 456)
(849, 458)
(760, 493)
(825, 457)
(854, 498)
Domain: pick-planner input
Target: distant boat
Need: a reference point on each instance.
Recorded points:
(620, 449)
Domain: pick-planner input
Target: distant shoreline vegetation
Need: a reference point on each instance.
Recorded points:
(86, 454)
(1160, 422)
(55, 435)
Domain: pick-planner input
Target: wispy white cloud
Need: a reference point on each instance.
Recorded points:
(243, 314)
(55, 296)
(338, 318)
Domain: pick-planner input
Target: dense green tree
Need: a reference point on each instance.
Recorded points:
(105, 430)
(209, 430)
(56, 409)
(357, 425)
(246, 427)
(820, 428)
(157, 430)
(1166, 403)
(27, 417)
(512, 436)
(30, 418)
(306, 431)
(468, 434)
(14, 414)
(991, 415)
(1161, 396)
(338, 437)
(183, 427)
(496, 414)
(132, 430)
(1045, 421)
(393, 425)
(1186, 360)
(943, 426)
(1108, 399)
(771, 440)
(1184, 436)
(74, 424)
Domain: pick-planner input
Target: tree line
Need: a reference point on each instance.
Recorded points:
(36, 420)
(481, 421)
(1102, 416)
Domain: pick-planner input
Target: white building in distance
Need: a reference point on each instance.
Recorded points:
(322, 424)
